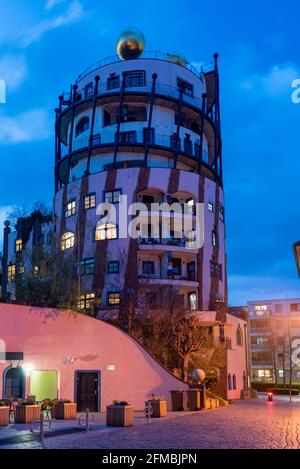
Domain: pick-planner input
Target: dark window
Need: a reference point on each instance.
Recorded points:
(233, 382)
(221, 212)
(112, 197)
(82, 126)
(216, 270)
(87, 266)
(14, 383)
(148, 267)
(107, 120)
(88, 90)
(113, 82)
(127, 137)
(135, 78)
(113, 298)
(239, 336)
(113, 267)
(191, 271)
(176, 266)
(174, 142)
(151, 134)
(229, 382)
(197, 150)
(134, 114)
(188, 145)
(90, 201)
(186, 87)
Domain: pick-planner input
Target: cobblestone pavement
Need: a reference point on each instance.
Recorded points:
(244, 424)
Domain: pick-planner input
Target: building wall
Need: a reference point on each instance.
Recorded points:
(237, 355)
(50, 338)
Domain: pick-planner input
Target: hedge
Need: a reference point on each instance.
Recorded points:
(264, 387)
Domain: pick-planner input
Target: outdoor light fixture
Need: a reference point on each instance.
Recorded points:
(296, 248)
(28, 368)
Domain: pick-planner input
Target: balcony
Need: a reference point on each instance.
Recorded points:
(170, 242)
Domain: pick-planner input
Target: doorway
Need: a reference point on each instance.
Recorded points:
(87, 390)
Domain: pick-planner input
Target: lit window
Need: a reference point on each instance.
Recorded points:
(262, 340)
(113, 82)
(114, 298)
(90, 201)
(70, 209)
(186, 88)
(113, 267)
(67, 241)
(280, 373)
(261, 307)
(192, 297)
(106, 231)
(191, 206)
(135, 78)
(19, 245)
(87, 266)
(215, 239)
(210, 206)
(264, 373)
(112, 197)
(36, 269)
(86, 300)
(82, 126)
(11, 272)
(294, 307)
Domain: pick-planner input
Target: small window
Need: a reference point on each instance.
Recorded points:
(113, 298)
(88, 90)
(151, 133)
(191, 271)
(113, 267)
(11, 272)
(216, 270)
(112, 197)
(210, 207)
(148, 267)
(127, 137)
(87, 266)
(19, 245)
(215, 239)
(113, 82)
(106, 231)
(239, 336)
(135, 78)
(221, 212)
(90, 201)
(294, 307)
(82, 126)
(229, 382)
(192, 298)
(70, 209)
(234, 382)
(67, 241)
(86, 300)
(176, 266)
(186, 87)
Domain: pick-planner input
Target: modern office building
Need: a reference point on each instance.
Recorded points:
(274, 327)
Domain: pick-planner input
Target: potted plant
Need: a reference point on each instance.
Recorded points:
(65, 409)
(28, 411)
(119, 414)
(4, 413)
(159, 407)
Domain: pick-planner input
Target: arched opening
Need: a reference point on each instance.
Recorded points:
(14, 383)
(233, 382)
(106, 231)
(82, 126)
(67, 241)
(239, 336)
(229, 382)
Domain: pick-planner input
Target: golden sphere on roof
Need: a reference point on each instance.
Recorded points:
(130, 44)
(177, 58)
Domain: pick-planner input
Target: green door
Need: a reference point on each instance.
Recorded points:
(43, 384)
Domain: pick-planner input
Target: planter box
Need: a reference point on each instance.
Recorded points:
(212, 403)
(159, 409)
(66, 411)
(177, 400)
(28, 413)
(119, 415)
(4, 416)
(193, 399)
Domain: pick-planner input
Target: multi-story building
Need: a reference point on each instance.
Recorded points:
(274, 328)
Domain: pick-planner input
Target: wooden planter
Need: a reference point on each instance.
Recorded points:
(193, 399)
(66, 411)
(28, 413)
(159, 409)
(177, 400)
(119, 415)
(4, 416)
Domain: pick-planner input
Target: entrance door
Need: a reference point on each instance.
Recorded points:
(87, 391)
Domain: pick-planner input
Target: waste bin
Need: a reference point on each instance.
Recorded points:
(193, 399)
(177, 400)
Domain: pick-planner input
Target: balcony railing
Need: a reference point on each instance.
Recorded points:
(181, 242)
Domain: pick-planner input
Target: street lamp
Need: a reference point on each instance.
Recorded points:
(296, 248)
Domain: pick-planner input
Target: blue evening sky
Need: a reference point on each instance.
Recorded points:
(44, 45)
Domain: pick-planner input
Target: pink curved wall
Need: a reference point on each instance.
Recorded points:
(48, 336)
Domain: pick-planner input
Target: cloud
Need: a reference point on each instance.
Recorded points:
(28, 126)
(13, 70)
(52, 3)
(73, 14)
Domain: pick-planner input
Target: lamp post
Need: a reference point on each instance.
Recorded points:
(296, 248)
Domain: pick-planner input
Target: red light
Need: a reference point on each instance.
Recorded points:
(270, 394)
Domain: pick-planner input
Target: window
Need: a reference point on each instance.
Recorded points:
(278, 309)
(261, 340)
(239, 336)
(14, 383)
(151, 133)
(19, 245)
(148, 267)
(233, 382)
(264, 373)
(215, 239)
(11, 272)
(176, 266)
(88, 90)
(70, 209)
(106, 231)
(113, 267)
(90, 201)
(86, 300)
(229, 382)
(191, 271)
(135, 78)
(187, 145)
(280, 373)
(113, 82)
(112, 197)
(67, 241)
(221, 212)
(127, 137)
(210, 207)
(186, 87)
(192, 299)
(133, 114)
(113, 298)
(294, 307)
(261, 307)
(216, 270)
(82, 126)
(87, 266)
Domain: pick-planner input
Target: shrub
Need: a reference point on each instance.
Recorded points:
(123, 403)
(263, 387)
(28, 402)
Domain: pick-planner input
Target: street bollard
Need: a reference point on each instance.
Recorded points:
(148, 411)
(42, 430)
